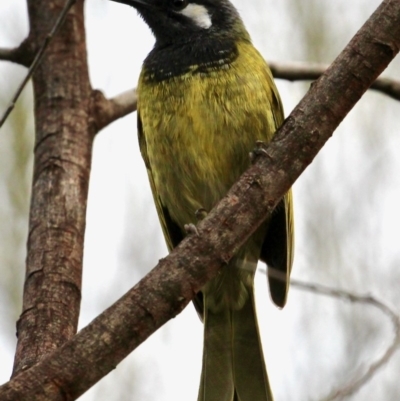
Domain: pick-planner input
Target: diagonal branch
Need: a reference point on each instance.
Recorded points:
(74, 367)
(298, 71)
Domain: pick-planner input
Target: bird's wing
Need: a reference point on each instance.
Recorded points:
(278, 245)
(277, 249)
(172, 233)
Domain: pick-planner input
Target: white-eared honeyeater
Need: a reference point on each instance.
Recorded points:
(205, 96)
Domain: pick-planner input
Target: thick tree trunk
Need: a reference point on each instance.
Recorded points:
(64, 136)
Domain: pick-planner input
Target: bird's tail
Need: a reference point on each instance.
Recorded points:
(233, 362)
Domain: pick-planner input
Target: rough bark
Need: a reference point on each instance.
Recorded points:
(52, 289)
(162, 294)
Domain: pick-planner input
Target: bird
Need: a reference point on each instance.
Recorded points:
(205, 97)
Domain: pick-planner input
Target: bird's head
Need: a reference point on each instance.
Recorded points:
(177, 21)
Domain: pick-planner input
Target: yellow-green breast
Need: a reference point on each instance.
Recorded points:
(198, 129)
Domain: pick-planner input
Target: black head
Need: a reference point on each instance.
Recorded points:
(179, 21)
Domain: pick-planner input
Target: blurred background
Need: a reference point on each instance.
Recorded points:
(346, 210)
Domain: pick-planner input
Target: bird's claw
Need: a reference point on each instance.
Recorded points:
(200, 214)
(259, 150)
(191, 229)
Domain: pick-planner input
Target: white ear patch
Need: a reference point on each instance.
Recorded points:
(198, 14)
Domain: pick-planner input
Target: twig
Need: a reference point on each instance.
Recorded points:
(37, 58)
(298, 71)
(355, 384)
(105, 111)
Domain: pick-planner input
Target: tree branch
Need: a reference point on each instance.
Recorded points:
(105, 111)
(298, 71)
(23, 54)
(170, 286)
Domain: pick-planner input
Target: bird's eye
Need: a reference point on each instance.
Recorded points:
(179, 5)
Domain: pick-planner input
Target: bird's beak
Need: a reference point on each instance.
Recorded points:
(134, 3)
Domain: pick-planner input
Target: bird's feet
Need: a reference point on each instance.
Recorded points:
(259, 150)
(191, 229)
(200, 214)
